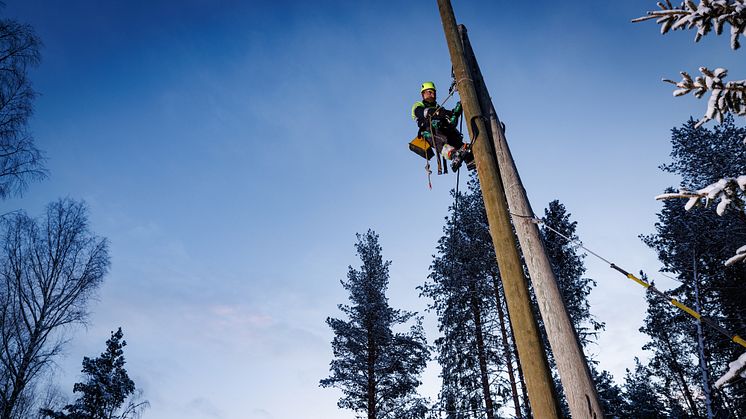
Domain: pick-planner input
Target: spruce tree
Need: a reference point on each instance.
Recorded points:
(376, 368)
(642, 395)
(107, 392)
(692, 246)
(475, 355)
(609, 394)
(672, 363)
(569, 269)
(459, 299)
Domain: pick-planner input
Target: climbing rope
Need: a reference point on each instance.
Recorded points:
(650, 287)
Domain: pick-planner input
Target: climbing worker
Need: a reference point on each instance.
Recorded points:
(437, 126)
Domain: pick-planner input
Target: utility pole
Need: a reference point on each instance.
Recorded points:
(575, 375)
(541, 393)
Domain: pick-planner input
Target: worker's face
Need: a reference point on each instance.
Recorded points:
(428, 95)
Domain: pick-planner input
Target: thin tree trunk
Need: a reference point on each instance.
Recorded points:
(481, 352)
(674, 364)
(506, 347)
(20, 381)
(371, 378)
(701, 343)
(524, 391)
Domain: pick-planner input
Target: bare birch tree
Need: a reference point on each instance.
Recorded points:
(49, 269)
(20, 160)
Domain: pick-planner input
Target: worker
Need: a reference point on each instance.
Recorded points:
(437, 125)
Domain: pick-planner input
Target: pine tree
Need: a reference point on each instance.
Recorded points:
(461, 298)
(376, 368)
(107, 392)
(707, 16)
(642, 395)
(692, 245)
(609, 394)
(672, 361)
(476, 350)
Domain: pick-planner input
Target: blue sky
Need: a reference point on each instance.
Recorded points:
(231, 150)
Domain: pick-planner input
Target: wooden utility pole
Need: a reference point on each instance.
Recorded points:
(530, 349)
(575, 375)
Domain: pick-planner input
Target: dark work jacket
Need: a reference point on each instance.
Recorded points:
(423, 123)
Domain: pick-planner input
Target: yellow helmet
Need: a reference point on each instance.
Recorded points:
(427, 85)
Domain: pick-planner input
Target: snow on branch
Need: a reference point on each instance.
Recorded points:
(739, 256)
(705, 16)
(729, 192)
(737, 367)
(724, 97)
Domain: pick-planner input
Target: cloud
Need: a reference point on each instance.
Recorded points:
(205, 407)
(261, 414)
(239, 316)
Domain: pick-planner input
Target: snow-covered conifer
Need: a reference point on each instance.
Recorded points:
(707, 16)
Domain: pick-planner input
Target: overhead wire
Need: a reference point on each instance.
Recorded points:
(650, 287)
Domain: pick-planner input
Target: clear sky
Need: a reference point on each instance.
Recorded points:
(231, 150)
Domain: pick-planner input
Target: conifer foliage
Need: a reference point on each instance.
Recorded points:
(707, 16)
(376, 368)
(480, 374)
(569, 269)
(107, 390)
(463, 287)
(691, 245)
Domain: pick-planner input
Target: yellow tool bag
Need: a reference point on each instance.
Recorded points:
(420, 146)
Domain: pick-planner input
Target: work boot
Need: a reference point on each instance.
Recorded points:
(457, 157)
(471, 164)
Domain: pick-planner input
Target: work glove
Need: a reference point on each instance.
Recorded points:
(458, 108)
(435, 123)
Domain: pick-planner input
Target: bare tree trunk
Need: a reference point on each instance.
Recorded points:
(481, 352)
(701, 343)
(50, 268)
(676, 367)
(371, 377)
(506, 347)
(538, 376)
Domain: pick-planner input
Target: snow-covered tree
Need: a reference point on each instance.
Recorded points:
(107, 392)
(376, 368)
(725, 98)
(467, 296)
(692, 243)
(707, 16)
